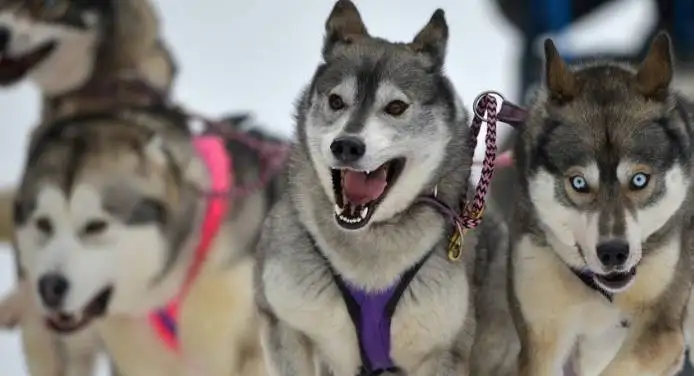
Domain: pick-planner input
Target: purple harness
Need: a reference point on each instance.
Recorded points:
(372, 313)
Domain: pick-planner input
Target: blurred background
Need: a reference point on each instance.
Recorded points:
(256, 56)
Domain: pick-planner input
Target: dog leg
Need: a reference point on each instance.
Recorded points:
(656, 350)
(444, 364)
(542, 309)
(6, 221)
(219, 321)
(14, 304)
(135, 348)
(41, 348)
(286, 351)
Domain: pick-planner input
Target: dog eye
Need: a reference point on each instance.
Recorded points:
(396, 108)
(639, 181)
(579, 184)
(44, 225)
(335, 102)
(94, 227)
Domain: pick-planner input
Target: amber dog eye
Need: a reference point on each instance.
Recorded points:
(95, 227)
(336, 103)
(44, 225)
(396, 108)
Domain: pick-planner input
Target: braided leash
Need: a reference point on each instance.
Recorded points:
(469, 214)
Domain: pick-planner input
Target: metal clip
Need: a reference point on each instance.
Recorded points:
(455, 245)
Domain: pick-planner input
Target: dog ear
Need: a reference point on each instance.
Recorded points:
(561, 82)
(344, 26)
(655, 73)
(161, 154)
(432, 40)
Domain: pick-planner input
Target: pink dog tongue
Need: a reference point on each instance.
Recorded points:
(361, 188)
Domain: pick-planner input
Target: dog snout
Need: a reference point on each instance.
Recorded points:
(613, 253)
(53, 289)
(348, 149)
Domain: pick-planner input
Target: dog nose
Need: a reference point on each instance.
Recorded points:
(348, 149)
(4, 38)
(53, 289)
(613, 253)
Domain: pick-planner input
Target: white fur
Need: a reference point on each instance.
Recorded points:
(652, 218)
(123, 256)
(568, 226)
(319, 136)
(564, 224)
(380, 133)
(73, 57)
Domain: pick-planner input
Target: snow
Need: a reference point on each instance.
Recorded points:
(256, 55)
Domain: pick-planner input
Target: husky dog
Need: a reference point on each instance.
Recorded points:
(109, 219)
(599, 270)
(124, 45)
(378, 126)
(69, 48)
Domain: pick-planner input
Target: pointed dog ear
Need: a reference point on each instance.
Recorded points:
(655, 73)
(560, 81)
(344, 26)
(432, 40)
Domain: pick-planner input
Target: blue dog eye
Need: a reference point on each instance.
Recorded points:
(579, 184)
(639, 180)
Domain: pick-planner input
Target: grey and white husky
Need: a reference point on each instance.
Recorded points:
(78, 53)
(600, 272)
(353, 276)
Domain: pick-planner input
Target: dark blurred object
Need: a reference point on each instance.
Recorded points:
(534, 18)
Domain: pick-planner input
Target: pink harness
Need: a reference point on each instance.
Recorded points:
(213, 152)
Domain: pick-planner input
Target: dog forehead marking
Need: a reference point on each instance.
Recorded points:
(83, 201)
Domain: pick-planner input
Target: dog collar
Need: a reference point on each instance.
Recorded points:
(587, 277)
(212, 151)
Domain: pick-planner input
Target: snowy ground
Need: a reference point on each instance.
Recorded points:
(256, 55)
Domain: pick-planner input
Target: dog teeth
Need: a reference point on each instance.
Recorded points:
(364, 212)
(338, 209)
(349, 220)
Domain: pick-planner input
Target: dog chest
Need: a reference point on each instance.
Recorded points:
(306, 298)
(431, 315)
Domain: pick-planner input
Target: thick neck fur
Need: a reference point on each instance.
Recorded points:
(132, 50)
(374, 257)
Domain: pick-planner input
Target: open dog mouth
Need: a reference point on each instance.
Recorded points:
(615, 281)
(358, 193)
(69, 323)
(15, 68)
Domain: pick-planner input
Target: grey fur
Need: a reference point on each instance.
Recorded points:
(305, 319)
(602, 114)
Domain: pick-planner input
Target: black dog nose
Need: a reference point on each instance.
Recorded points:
(348, 148)
(613, 253)
(53, 289)
(4, 38)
